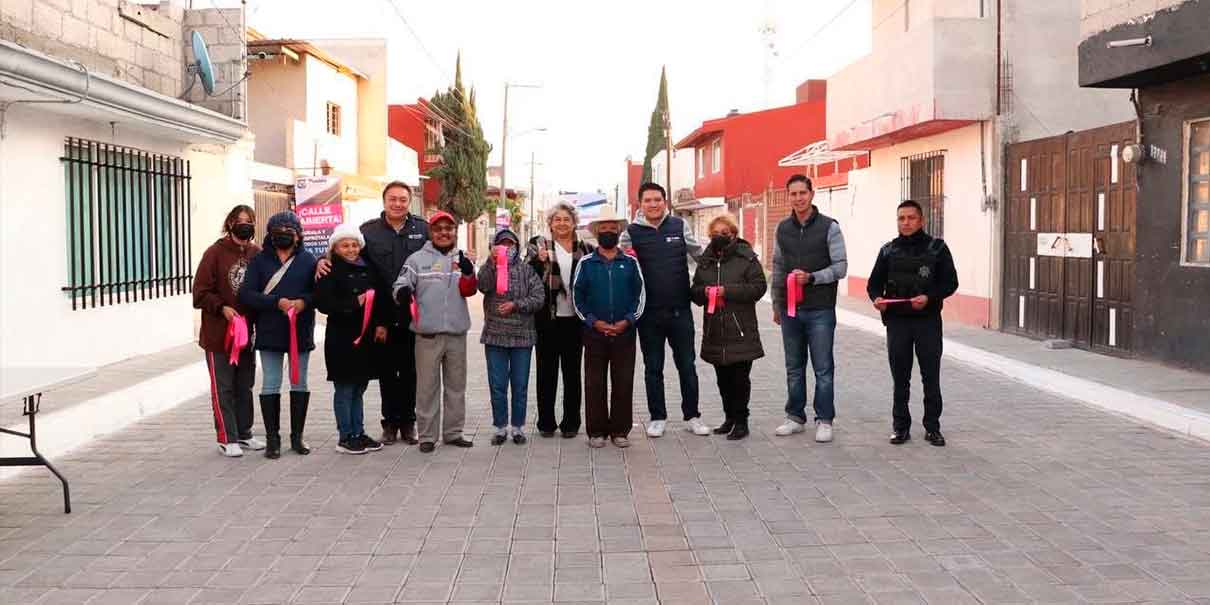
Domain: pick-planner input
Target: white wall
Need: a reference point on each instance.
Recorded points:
(37, 324)
(682, 170)
(866, 211)
(324, 85)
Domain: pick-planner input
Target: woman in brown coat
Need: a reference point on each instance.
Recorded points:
(730, 273)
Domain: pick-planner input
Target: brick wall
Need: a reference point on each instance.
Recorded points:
(1097, 16)
(224, 31)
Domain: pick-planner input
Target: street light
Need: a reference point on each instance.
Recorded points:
(504, 142)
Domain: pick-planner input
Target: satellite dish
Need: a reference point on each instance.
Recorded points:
(201, 67)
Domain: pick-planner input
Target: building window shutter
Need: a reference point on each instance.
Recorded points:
(333, 121)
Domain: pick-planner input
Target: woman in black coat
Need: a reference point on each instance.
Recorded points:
(730, 270)
(348, 341)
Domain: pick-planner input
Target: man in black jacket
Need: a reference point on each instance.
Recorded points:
(912, 277)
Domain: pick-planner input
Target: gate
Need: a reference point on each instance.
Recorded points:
(269, 199)
(1070, 239)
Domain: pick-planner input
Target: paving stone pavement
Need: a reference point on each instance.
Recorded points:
(1036, 499)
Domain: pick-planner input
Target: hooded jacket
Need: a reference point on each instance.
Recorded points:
(731, 334)
(216, 285)
(273, 326)
(524, 289)
(439, 288)
(553, 282)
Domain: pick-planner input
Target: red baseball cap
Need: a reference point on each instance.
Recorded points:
(441, 215)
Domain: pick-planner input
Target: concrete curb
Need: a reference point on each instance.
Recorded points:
(1189, 422)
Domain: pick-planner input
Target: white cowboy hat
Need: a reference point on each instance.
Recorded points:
(607, 215)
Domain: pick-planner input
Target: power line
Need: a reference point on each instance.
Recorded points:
(822, 28)
(416, 37)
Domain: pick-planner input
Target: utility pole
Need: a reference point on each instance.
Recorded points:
(668, 153)
(504, 142)
(532, 163)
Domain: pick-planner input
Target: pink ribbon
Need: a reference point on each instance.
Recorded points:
(714, 298)
(414, 309)
(293, 316)
(365, 318)
(237, 338)
(793, 292)
(896, 300)
(501, 269)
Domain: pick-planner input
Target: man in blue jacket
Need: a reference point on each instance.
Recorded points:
(608, 295)
(663, 245)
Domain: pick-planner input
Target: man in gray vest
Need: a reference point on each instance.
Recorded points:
(808, 261)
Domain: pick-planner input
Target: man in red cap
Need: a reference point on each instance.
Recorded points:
(435, 282)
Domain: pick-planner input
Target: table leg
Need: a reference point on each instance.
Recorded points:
(32, 407)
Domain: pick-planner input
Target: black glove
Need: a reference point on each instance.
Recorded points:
(403, 297)
(465, 265)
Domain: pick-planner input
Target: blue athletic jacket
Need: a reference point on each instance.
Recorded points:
(608, 290)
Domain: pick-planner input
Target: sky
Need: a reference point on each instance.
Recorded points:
(598, 65)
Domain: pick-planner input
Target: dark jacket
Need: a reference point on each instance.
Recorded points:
(731, 334)
(552, 282)
(336, 295)
(913, 265)
(815, 246)
(385, 251)
(272, 326)
(663, 250)
(524, 289)
(607, 290)
(216, 284)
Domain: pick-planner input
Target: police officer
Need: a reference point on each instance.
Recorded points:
(912, 277)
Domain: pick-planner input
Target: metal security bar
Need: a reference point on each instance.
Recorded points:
(921, 179)
(128, 225)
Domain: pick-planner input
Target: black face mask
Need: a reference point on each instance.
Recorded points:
(283, 241)
(243, 231)
(720, 242)
(607, 240)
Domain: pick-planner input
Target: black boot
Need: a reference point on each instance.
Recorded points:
(725, 427)
(739, 431)
(298, 418)
(270, 411)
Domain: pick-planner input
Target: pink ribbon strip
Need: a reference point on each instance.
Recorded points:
(365, 318)
(501, 269)
(714, 299)
(793, 292)
(293, 316)
(237, 338)
(415, 311)
(896, 300)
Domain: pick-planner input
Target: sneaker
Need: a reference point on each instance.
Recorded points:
(621, 442)
(823, 432)
(596, 442)
(655, 428)
(697, 427)
(500, 437)
(369, 444)
(351, 445)
(789, 427)
(230, 450)
(252, 443)
(519, 436)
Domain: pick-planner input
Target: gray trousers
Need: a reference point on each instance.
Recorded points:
(231, 395)
(440, 365)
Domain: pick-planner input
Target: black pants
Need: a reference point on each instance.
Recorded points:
(923, 336)
(609, 357)
(396, 361)
(735, 387)
(231, 394)
(559, 347)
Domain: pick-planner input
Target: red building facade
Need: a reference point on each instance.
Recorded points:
(415, 126)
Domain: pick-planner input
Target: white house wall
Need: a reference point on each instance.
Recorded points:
(39, 327)
(324, 85)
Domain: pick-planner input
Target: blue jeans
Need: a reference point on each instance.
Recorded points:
(271, 363)
(676, 327)
(508, 366)
(809, 337)
(349, 408)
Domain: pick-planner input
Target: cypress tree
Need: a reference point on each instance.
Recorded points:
(655, 129)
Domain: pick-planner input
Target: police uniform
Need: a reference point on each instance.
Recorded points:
(906, 267)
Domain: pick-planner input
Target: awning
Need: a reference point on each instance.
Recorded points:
(816, 154)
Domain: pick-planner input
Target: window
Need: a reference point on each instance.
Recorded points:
(333, 122)
(127, 224)
(716, 156)
(701, 162)
(1197, 193)
(921, 178)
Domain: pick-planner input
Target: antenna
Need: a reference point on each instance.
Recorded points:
(201, 68)
(768, 36)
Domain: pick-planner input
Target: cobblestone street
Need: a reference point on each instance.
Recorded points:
(1036, 499)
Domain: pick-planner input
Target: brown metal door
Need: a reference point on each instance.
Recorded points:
(1069, 239)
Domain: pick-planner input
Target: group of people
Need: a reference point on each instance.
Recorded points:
(395, 290)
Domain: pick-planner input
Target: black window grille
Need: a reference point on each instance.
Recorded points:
(921, 179)
(128, 231)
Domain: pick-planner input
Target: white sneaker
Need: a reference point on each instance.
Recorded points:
(655, 428)
(252, 443)
(823, 432)
(789, 427)
(697, 427)
(230, 450)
